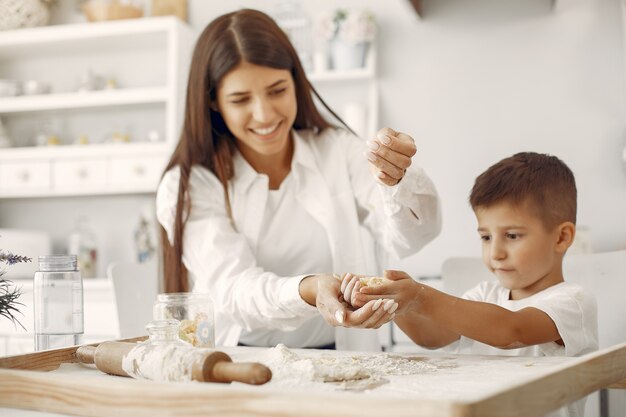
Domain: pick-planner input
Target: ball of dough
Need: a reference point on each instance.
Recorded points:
(372, 281)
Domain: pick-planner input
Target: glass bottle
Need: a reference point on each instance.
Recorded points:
(82, 243)
(145, 241)
(195, 313)
(58, 302)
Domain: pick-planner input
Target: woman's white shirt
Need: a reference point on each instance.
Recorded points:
(290, 236)
(333, 184)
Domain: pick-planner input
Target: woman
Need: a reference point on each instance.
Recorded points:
(263, 197)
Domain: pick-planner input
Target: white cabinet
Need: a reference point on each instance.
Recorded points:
(30, 176)
(147, 59)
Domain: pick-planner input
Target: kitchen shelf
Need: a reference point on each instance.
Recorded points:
(367, 73)
(148, 58)
(352, 88)
(87, 99)
(91, 150)
(73, 38)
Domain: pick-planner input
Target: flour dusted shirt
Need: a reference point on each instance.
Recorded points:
(572, 309)
(332, 182)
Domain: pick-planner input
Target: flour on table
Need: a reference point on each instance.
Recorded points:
(360, 371)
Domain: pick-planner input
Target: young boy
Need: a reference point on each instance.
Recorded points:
(525, 206)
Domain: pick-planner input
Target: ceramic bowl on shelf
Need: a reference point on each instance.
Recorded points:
(35, 87)
(10, 88)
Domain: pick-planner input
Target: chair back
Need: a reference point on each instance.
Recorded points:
(136, 287)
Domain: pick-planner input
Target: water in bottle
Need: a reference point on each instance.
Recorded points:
(58, 302)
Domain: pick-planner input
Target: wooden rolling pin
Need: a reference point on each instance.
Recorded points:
(209, 366)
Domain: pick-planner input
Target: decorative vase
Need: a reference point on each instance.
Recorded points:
(345, 55)
(15, 14)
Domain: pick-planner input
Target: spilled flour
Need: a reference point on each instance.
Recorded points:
(350, 372)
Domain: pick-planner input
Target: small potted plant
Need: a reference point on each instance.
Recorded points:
(8, 293)
(349, 34)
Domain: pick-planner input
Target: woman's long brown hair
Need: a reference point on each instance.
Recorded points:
(245, 35)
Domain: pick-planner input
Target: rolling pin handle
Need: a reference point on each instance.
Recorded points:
(248, 373)
(86, 354)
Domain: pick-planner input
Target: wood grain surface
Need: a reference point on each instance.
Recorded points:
(95, 394)
(48, 360)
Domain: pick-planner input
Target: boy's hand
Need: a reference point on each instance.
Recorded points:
(399, 287)
(337, 312)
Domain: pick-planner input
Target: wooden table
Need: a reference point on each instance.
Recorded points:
(462, 385)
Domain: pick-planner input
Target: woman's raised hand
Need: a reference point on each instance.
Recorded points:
(389, 155)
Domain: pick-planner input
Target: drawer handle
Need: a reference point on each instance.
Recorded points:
(139, 170)
(82, 173)
(24, 176)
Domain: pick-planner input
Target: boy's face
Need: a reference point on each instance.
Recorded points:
(518, 249)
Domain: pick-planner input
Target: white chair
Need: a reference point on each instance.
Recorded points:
(136, 286)
(603, 274)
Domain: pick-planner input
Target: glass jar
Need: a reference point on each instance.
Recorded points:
(162, 357)
(195, 313)
(161, 332)
(58, 302)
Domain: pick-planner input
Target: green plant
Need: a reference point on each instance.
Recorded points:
(9, 294)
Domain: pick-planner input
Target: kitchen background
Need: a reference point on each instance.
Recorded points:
(472, 81)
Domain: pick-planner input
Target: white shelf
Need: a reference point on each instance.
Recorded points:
(52, 40)
(367, 73)
(149, 57)
(86, 99)
(86, 151)
(360, 74)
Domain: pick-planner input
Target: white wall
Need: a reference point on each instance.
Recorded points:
(477, 80)
(474, 81)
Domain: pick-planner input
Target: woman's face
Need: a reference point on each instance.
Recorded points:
(258, 105)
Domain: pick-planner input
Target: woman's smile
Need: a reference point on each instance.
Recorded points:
(267, 133)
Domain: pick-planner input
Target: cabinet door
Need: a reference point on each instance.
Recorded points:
(138, 171)
(24, 175)
(80, 173)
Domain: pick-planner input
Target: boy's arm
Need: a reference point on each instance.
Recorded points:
(487, 323)
(424, 331)
(434, 319)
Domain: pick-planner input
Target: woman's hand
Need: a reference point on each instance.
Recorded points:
(389, 155)
(350, 285)
(336, 311)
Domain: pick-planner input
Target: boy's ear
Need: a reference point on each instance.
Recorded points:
(565, 237)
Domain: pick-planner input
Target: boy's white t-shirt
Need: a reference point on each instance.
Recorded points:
(572, 309)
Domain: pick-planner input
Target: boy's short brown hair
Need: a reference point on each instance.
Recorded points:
(540, 180)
